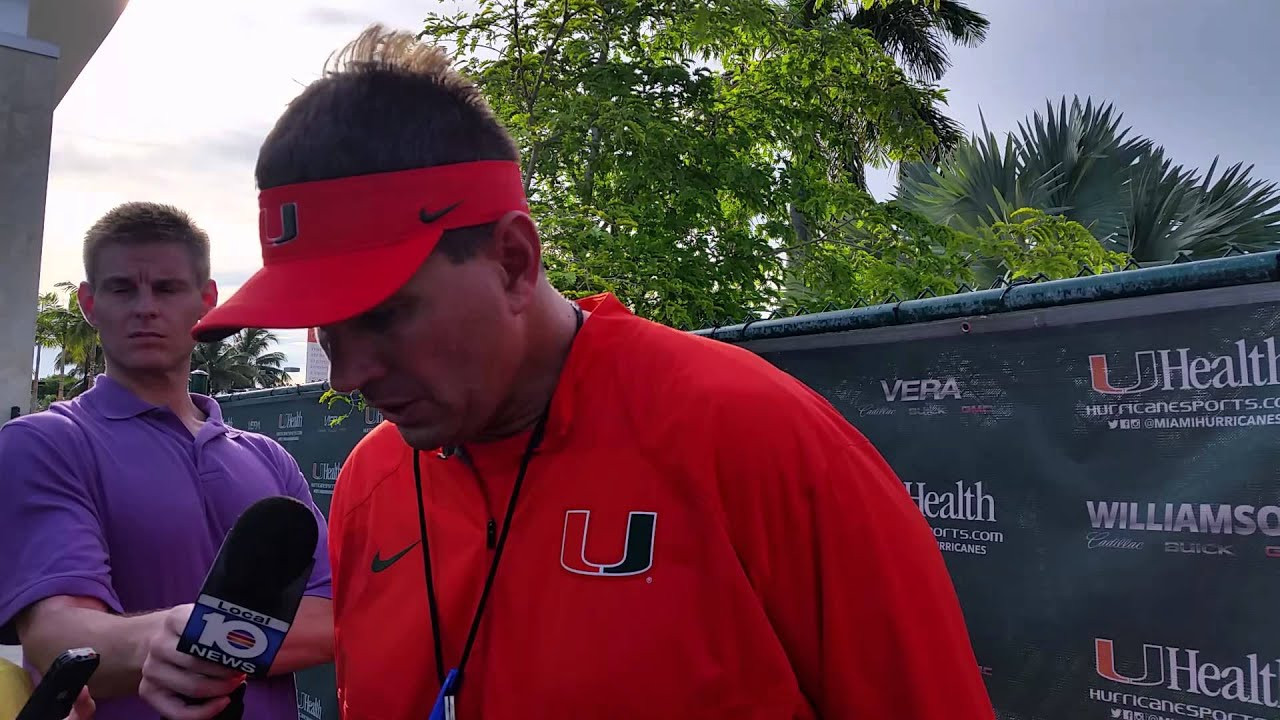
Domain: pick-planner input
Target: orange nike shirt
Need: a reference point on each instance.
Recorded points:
(699, 536)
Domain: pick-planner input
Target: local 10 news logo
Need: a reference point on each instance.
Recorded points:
(232, 636)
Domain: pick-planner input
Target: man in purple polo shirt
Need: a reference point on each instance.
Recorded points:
(115, 503)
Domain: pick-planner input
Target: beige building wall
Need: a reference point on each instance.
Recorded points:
(27, 101)
(44, 44)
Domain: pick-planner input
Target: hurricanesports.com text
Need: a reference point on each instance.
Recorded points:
(965, 535)
(1182, 407)
(1160, 709)
(1187, 414)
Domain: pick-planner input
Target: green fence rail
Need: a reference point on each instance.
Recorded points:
(1029, 295)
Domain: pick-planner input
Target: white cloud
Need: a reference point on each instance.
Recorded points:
(172, 109)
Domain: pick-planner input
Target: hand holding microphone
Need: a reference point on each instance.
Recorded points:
(197, 667)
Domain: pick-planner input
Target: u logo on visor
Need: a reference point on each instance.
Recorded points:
(288, 224)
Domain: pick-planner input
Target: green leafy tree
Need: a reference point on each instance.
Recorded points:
(241, 362)
(254, 344)
(917, 36)
(1033, 244)
(78, 347)
(227, 368)
(48, 307)
(48, 389)
(669, 144)
(1077, 161)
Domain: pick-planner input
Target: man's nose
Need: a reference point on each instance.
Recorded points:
(350, 371)
(145, 302)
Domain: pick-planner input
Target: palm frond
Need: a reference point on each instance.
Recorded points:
(983, 181)
(1093, 156)
(1158, 197)
(917, 34)
(1235, 210)
(242, 361)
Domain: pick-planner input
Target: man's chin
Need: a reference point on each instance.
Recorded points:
(422, 437)
(150, 362)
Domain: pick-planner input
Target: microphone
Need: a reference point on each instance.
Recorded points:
(253, 590)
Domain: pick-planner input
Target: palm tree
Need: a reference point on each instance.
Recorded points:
(1077, 161)
(76, 340)
(47, 308)
(917, 36)
(227, 368)
(241, 362)
(268, 367)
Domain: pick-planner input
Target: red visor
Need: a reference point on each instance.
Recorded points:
(333, 249)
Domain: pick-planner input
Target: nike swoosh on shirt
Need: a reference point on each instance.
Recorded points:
(379, 564)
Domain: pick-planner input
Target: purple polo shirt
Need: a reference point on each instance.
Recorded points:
(110, 497)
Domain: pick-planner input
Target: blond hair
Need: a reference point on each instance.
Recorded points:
(139, 223)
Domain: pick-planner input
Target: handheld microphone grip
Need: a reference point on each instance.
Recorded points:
(252, 592)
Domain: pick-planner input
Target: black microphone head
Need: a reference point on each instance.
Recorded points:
(266, 558)
(254, 589)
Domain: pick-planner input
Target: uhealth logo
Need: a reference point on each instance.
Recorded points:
(964, 503)
(1245, 365)
(1253, 679)
(325, 470)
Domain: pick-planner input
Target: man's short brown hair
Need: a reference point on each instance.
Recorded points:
(385, 103)
(139, 223)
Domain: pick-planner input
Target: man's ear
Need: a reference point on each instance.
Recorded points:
(519, 251)
(209, 295)
(84, 298)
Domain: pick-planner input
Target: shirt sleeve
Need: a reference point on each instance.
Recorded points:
(848, 570)
(321, 582)
(51, 536)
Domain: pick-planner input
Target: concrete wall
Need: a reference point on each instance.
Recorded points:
(27, 101)
(13, 16)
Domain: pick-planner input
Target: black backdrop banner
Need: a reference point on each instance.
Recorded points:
(319, 439)
(1102, 483)
(1101, 479)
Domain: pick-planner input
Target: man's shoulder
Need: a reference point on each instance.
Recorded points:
(380, 447)
(691, 388)
(380, 454)
(62, 423)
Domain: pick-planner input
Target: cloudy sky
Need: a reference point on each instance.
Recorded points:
(173, 106)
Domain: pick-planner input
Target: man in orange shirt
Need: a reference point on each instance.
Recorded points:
(573, 512)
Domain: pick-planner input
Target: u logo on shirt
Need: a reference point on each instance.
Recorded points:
(637, 548)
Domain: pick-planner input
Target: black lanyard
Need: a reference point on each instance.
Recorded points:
(535, 439)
